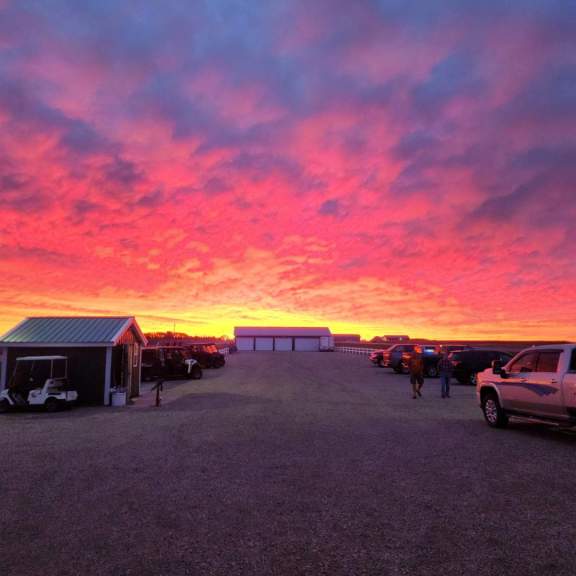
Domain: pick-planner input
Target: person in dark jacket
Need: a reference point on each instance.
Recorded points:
(445, 371)
(416, 369)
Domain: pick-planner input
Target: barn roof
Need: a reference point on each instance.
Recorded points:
(70, 330)
(280, 331)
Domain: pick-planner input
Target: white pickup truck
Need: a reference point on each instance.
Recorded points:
(539, 383)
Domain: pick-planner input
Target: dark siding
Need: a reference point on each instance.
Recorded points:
(129, 337)
(86, 368)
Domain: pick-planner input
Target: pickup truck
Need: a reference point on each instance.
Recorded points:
(538, 383)
(376, 356)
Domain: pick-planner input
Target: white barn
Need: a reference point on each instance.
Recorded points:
(250, 339)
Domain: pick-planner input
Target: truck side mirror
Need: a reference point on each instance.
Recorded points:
(497, 367)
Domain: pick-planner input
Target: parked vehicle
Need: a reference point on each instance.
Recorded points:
(169, 362)
(207, 355)
(430, 355)
(376, 357)
(539, 382)
(392, 357)
(468, 363)
(449, 348)
(39, 381)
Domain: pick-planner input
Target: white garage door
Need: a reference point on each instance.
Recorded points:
(243, 343)
(265, 344)
(307, 344)
(283, 344)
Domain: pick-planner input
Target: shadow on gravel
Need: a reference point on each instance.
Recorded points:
(67, 414)
(216, 401)
(542, 431)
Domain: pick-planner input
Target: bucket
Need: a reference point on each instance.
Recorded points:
(119, 398)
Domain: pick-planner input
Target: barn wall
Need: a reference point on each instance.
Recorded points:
(86, 368)
(278, 343)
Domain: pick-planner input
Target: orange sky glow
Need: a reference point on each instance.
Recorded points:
(408, 169)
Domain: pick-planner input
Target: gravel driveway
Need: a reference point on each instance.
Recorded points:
(286, 464)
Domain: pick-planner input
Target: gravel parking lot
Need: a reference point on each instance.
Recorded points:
(286, 464)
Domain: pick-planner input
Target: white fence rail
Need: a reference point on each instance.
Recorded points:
(352, 350)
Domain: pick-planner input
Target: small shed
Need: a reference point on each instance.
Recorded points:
(285, 339)
(102, 352)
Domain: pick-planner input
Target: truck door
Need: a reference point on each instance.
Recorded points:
(534, 384)
(569, 386)
(513, 390)
(546, 385)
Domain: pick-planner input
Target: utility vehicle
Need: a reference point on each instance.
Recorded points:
(39, 381)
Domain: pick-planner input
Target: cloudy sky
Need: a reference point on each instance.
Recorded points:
(377, 166)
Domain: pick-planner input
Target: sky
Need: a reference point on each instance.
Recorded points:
(376, 166)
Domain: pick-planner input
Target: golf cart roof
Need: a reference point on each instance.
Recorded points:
(36, 358)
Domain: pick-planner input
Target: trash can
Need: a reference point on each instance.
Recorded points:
(118, 398)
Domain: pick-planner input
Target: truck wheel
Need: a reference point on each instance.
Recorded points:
(51, 405)
(432, 372)
(493, 413)
(473, 379)
(4, 405)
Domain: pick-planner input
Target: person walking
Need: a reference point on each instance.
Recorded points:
(416, 369)
(445, 371)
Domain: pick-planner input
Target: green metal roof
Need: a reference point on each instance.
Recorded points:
(69, 330)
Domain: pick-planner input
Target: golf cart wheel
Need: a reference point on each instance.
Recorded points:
(432, 372)
(51, 405)
(493, 413)
(196, 372)
(4, 405)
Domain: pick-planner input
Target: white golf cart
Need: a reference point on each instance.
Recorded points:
(38, 381)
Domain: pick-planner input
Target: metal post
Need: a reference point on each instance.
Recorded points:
(159, 386)
(108, 376)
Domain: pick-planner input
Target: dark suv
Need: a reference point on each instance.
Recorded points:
(430, 356)
(467, 363)
(207, 355)
(169, 362)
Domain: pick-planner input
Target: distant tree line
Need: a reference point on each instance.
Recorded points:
(180, 338)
